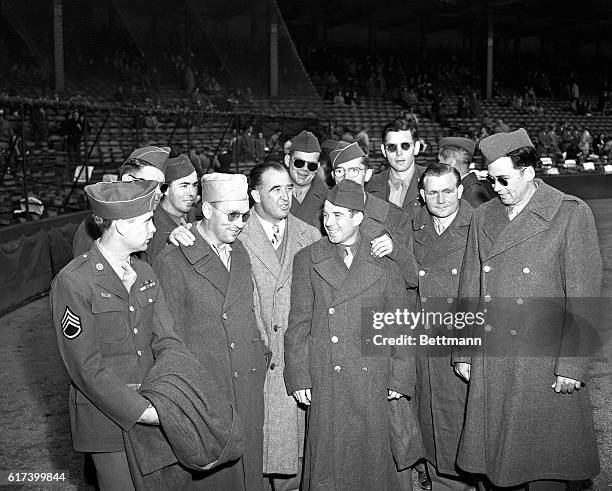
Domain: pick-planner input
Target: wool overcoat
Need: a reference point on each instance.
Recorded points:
(214, 311)
(378, 186)
(533, 275)
(475, 192)
(440, 394)
(164, 225)
(284, 420)
(310, 209)
(348, 442)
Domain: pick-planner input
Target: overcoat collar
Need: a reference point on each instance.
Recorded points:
(254, 235)
(453, 238)
(206, 263)
(533, 219)
(364, 271)
(105, 274)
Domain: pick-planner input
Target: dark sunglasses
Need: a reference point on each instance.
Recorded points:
(392, 147)
(299, 163)
(232, 216)
(503, 181)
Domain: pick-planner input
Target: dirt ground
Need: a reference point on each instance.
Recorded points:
(35, 433)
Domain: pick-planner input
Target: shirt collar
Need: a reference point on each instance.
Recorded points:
(268, 227)
(215, 248)
(354, 247)
(446, 221)
(396, 182)
(115, 262)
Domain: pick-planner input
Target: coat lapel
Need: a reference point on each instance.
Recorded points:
(104, 273)
(364, 272)
(206, 263)
(532, 220)
(255, 237)
(239, 274)
(296, 240)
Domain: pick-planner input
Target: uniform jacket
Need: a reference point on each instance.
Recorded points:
(164, 224)
(111, 341)
(440, 393)
(214, 312)
(348, 444)
(310, 209)
(474, 191)
(529, 273)
(284, 421)
(381, 217)
(378, 185)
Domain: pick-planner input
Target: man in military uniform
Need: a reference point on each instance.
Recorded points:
(348, 443)
(440, 234)
(180, 191)
(533, 260)
(309, 190)
(210, 293)
(272, 237)
(458, 152)
(111, 321)
(386, 223)
(399, 184)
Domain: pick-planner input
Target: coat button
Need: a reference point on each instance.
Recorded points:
(449, 300)
(487, 298)
(486, 268)
(253, 370)
(135, 331)
(232, 345)
(423, 299)
(421, 273)
(519, 301)
(454, 271)
(272, 366)
(150, 300)
(253, 308)
(235, 374)
(139, 353)
(224, 316)
(334, 339)
(526, 270)
(331, 311)
(84, 256)
(99, 267)
(131, 308)
(364, 369)
(275, 328)
(337, 368)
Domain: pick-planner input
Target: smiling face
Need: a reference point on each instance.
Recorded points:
(341, 225)
(302, 177)
(441, 194)
(519, 181)
(399, 148)
(273, 195)
(217, 225)
(181, 195)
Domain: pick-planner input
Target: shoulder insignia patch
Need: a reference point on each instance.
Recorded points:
(71, 324)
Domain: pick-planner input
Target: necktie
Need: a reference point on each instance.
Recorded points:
(439, 228)
(275, 236)
(511, 212)
(348, 259)
(224, 255)
(129, 275)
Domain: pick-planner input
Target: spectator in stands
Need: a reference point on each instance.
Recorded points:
(259, 145)
(338, 99)
(598, 144)
(501, 127)
(585, 142)
(38, 120)
(363, 137)
(542, 144)
(73, 133)
(274, 140)
(247, 144)
(120, 95)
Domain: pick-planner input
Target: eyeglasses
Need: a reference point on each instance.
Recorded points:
(351, 172)
(503, 181)
(312, 166)
(232, 216)
(392, 147)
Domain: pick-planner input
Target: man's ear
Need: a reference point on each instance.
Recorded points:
(417, 147)
(357, 218)
(256, 196)
(530, 172)
(422, 193)
(206, 210)
(383, 150)
(460, 190)
(368, 175)
(287, 160)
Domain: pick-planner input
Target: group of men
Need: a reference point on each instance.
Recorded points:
(267, 291)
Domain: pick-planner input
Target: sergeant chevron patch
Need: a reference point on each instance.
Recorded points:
(71, 324)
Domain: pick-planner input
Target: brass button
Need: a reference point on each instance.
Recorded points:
(423, 299)
(139, 353)
(421, 273)
(487, 298)
(334, 339)
(364, 369)
(99, 267)
(486, 268)
(337, 368)
(526, 270)
(135, 331)
(519, 301)
(331, 311)
(232, 345)
(131, 308)
(454, 271)
(235, 374)
(150, 300)
(224, 316)
(449, 300)
(253, 370)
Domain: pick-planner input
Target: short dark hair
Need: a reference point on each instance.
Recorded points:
(439, 170)
(400, 124)
(460, 155)
(133, 164)
(523, 157)
(257, 172)
(102, 224)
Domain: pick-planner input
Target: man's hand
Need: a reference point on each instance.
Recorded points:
(393, 395)
(566, 385)
(463, 370)
(302, 396)
(382, 246)
(182, 234)
(149, 416)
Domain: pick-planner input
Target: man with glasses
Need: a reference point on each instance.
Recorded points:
(180, 191)
(533, 263)
(210, 293)
(458, 152)
(309, 190)
(386, 223)
(399, 183)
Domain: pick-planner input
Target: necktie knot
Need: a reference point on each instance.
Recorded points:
(348, 256)
(275, 235)
(129, 275)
